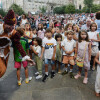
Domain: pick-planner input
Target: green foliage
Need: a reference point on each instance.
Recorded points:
(59, 10)
(95, 8)
(43, 9)
(17, 9)
(2, 12)
(89, 4)
(70, 9)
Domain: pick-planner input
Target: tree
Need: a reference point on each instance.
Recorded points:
(88, 3)
(17, 9)
(70, 9)
(95, 8)
(43, 9)
(2, 12)
(59, 10)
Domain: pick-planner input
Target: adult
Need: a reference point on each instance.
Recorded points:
(24, 20)
(6, 36)
(87, 25)
(97, 21)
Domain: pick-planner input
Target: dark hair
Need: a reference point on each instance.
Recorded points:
(58, 36)
(92, 24)
(98, 15)
(34, 29)
(39, 40)
(48, 30)
(24, 15)
(41, 27)
(80, 38)
(60, 28)
(20, 30)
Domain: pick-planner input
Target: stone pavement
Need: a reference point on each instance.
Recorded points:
(59, 88)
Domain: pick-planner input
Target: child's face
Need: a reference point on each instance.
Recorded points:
(70, 36)
(39, 26)
(75, 28)
(62, 30)
(70, 27)
(83, 35)
(58, 30)
(34, 31)
(27, 26)
(35, 42)
(93, 28)
(49, 34)
(59, 39)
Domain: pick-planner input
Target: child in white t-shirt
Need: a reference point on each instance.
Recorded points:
(49, 51)
(94, 38)
(68, 46)
(36, 49)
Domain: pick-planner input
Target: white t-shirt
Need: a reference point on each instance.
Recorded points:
(68, 45)
(38, 50)
(93, 35)
(49, 47)
(34, 35)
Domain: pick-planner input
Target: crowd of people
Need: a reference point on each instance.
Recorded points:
(56, 40)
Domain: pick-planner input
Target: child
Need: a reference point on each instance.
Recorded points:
(58, 38)
(68, 27)
(34, 31)
(41, 31)
(94, 38)
(49, 51)
(83, 46)
(97, 83)
(18, 58)
(28, 36)
(28, 33)
(36, 49)
(76, 32)
(68, 46)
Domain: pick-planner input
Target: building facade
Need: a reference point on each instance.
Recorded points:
(35, 5)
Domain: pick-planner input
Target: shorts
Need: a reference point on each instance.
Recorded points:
(49, 61)
(18, 64)
(68, 60)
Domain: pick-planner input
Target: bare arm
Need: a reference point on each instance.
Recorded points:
(54, 52)
(97, 58)
(89, 51)
(43, 49)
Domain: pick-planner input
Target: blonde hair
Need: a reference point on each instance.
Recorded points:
(77, 27)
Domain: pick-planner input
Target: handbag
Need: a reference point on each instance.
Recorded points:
(80, 61)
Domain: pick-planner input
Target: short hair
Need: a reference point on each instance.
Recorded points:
(58, 36)
(98, 15)
(20, 30)
(92, 24)
(48, 30)
(68, 32)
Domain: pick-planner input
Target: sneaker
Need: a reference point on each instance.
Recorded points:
(20, 82)
(85, 81)
(30, 78)
(71, 75)
(77, 76)
(27, 80)
(93, 68)
(38, 77)
(45, 78)
(65, 72)
(37, 73)
(52, 74)
(59, 72)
